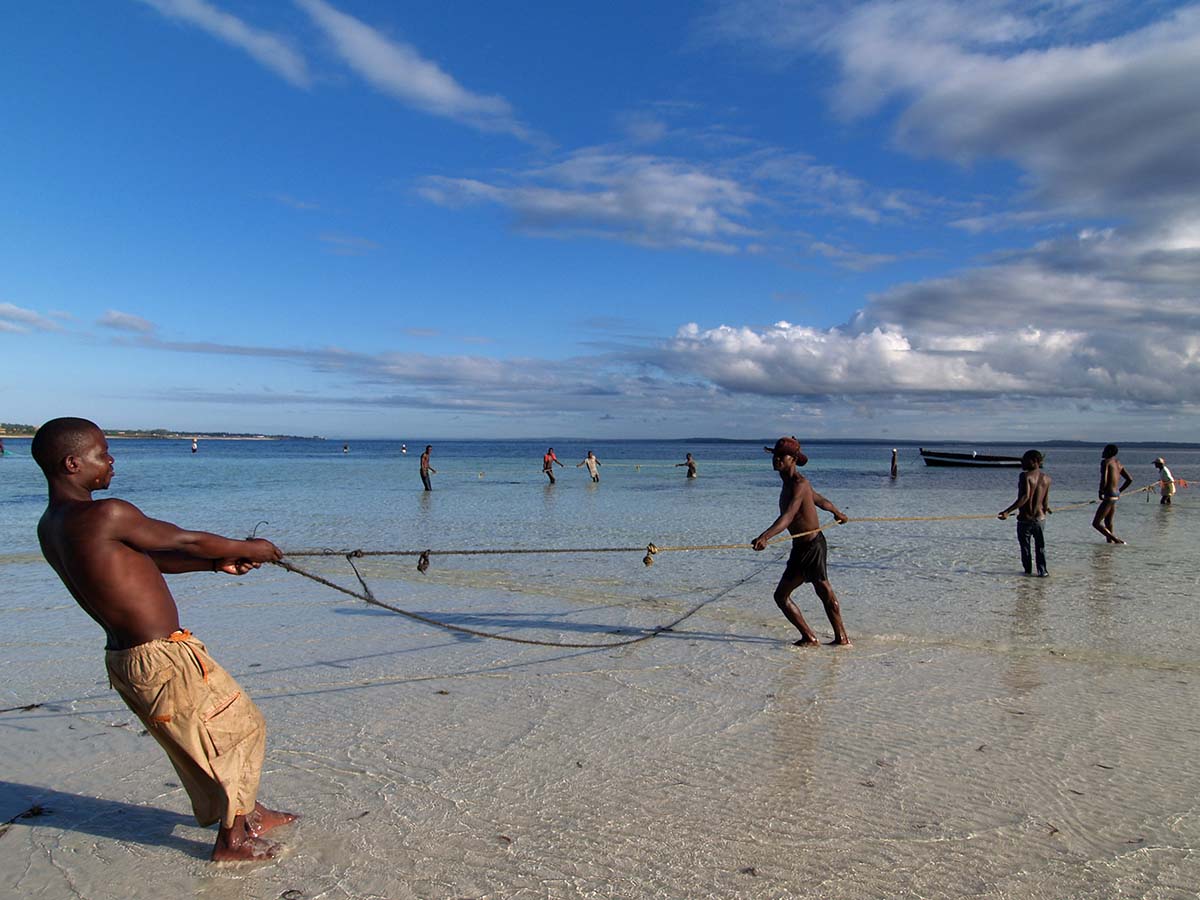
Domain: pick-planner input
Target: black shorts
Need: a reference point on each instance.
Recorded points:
(807, 561)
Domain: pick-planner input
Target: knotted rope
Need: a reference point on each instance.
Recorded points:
(653, 550)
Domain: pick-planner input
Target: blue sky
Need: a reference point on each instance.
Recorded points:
(913, 219)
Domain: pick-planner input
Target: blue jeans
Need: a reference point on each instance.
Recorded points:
(1028, 532)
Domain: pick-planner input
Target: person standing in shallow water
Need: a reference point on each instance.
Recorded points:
(593, 465)
(1111, 471)
(1166, 482)
(549, 461)
(798, 504)
(1032, 506)
(112, 558)
(426, 468)
(691, 466)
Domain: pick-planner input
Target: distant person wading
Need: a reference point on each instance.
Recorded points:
(549, 461)
(1166, 482)
(691, 465)
(593, 466)
(426, 468)
(1111, 471)
(1032, 506)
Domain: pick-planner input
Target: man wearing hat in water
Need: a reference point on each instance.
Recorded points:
(1166, 481)
(798, 504)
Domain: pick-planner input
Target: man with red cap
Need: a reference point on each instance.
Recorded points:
(798, 504)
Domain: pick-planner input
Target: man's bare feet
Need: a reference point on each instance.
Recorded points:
(237, 844)
(843, 641)
(261, 820)
(806, 642)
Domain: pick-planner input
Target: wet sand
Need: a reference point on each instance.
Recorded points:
(717, 761)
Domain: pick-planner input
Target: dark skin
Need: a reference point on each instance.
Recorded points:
(112, 558)
(691, 466)
(798, 505)
(426, 468)
(1110, 471)
(548, 463)
(1033, 493)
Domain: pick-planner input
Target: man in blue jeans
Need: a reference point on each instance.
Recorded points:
(1032, 506)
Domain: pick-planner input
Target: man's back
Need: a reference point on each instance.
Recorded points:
(1111, 473)
(1108, 474)
(1037, 484)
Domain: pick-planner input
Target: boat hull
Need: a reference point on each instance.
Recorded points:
(968, 460)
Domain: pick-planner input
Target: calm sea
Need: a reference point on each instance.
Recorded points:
(958, 580)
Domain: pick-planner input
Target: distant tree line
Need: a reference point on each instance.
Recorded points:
(16, 428)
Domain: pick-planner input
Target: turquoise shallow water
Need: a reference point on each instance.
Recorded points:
(957, 580)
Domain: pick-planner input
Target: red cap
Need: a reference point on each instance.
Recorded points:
(788, 446)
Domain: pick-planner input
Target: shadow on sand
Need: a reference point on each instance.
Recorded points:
(111, 819)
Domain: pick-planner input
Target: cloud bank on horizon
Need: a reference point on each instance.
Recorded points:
(995, 231)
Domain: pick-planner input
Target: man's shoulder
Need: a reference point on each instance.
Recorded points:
(114, 505)
(98, 519)
(110, 510)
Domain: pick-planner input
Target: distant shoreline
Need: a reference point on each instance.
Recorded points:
(173, 436)
(1067, 443)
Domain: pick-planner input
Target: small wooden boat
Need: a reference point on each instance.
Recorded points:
(972, 459)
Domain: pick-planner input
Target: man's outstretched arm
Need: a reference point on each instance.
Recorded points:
(1022, 497)
(175, 549)
(779, 525)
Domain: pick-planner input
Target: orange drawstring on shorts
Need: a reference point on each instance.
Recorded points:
(183, 635)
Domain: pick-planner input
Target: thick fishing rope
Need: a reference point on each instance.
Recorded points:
(654, 549)
(368, 596)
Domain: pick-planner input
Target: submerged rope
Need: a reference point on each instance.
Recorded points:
(368, 596)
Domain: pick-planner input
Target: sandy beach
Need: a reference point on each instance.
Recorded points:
(715, 762)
